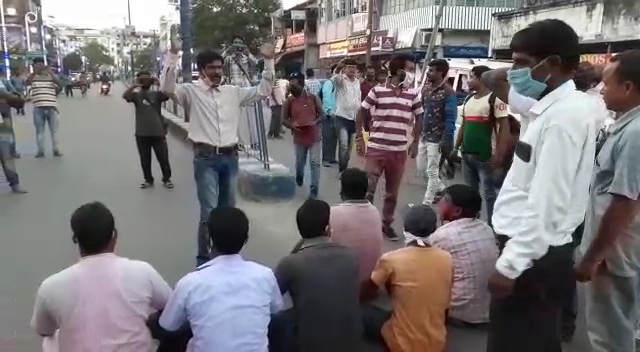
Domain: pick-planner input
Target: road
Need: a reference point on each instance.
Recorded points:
(156, 225)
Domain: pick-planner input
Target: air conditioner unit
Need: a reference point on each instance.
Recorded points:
(425, 38)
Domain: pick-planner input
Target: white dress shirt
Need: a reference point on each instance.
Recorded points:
(348, 96)
(543, 200)
(228, 302)
(214, 112)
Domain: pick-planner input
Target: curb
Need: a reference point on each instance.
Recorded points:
(255, 183)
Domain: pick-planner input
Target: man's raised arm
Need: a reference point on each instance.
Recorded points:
(168, 77)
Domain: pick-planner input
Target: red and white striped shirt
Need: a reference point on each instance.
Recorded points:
(393, 118)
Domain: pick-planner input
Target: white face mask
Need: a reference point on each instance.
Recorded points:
(408, 238)
(409, 79)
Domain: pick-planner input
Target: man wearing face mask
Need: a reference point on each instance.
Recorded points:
(215, 112)
(151, 127)
(545, 193)
(239, 63)
(396, 114)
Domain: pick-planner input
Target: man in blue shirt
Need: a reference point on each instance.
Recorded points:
(438, 126)
(329, 133)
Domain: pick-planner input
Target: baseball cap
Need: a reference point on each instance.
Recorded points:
(420, 220)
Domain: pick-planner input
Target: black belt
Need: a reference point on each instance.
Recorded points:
(227, 150)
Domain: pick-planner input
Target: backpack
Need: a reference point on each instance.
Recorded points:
(333, 90)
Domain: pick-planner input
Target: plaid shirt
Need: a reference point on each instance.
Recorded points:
(313, 86)
(472, 245)
(234, 74)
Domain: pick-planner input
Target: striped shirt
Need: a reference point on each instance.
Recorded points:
(44, 91)
(393, 117)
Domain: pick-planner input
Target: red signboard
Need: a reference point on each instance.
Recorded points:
(295, 40)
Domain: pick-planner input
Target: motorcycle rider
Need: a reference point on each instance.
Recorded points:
(105, 80)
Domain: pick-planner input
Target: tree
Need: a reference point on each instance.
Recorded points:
(96, 55)
(72, 61)
(145, 59)
(215, 22)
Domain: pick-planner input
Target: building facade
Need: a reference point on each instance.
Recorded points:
(407, 25)
(604, 26)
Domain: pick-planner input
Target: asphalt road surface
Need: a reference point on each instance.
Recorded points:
(100, 162)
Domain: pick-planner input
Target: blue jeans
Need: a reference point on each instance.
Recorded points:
(314, 165)
(41, 117)
(476, 172)
(329, 139)
(7, 161)
(216, 177)
(345, 130)
(6, 117)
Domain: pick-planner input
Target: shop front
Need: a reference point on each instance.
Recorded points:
(291, 58)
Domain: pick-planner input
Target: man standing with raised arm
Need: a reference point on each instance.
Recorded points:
(215, 112)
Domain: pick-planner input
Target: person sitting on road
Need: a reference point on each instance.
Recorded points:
(228, 301)
(418, 278)
(472, 244)
(356, 223)
(102, 302)
(322, 279)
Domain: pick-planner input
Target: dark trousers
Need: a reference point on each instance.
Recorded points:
(329, 139)
(528, 320)
(282, 331)
(275, 125)
(68, 90)
(157, 144)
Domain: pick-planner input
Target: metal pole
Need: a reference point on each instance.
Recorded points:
(434, 34)
(40, 23)
(369, 32)
(130, 48)
(185, 36)
(5, 47)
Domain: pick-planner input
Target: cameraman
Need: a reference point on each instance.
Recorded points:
(151, 127)
(239, 64)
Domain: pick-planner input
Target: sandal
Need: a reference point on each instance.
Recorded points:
(168, 184)
(146, 184)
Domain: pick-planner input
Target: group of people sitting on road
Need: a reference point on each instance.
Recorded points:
(333, 274)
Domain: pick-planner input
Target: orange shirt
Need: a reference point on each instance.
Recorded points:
(420, 281)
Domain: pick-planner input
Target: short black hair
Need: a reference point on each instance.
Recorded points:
(349, 62)
(441, 65)
(143, 73)
(398, 62)
(93, 227)
(546, 38)
(479, 70)
(333, 67)
(354, 184)
(206, 57)
(628, 68)
(310, 72)
(38, 60)
(228, 229)
(465, 197)
(237, 37)
(313, 218)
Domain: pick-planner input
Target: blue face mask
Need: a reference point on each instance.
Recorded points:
(523, 83)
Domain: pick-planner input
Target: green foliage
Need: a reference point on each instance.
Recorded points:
(145, 59)
(96, 55)
(72, 61)
(215, 22)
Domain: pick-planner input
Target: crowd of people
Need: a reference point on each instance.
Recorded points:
(553, 180)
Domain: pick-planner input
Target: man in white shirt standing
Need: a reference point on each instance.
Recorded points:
(102, 302)
(348, 101)
(215, 112)
(545, 193)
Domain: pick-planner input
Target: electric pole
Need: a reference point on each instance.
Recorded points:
(369, 33)
(432, 41)
(185, 36)
(131, 46)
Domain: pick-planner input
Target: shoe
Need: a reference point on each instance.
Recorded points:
(40, 155)
(146, 184)
(326, 164)
(299, 181)
(57, 153)
(167, 184)
(16, 189)
(390, 233)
